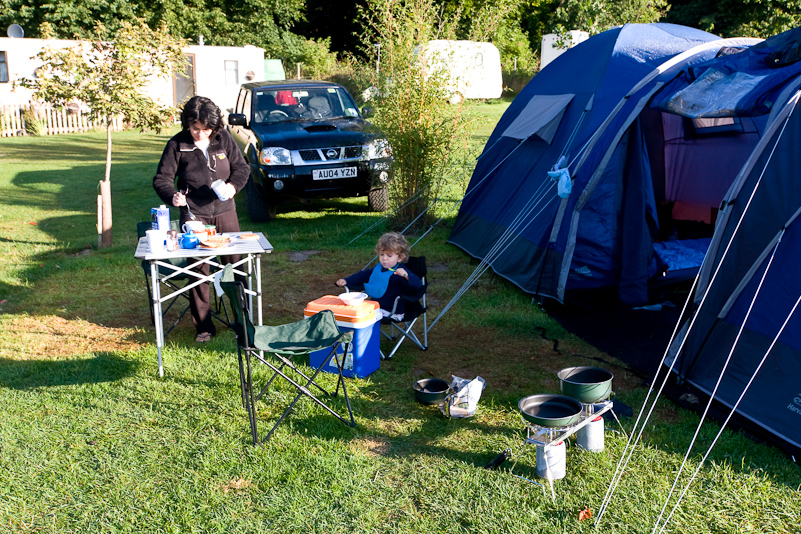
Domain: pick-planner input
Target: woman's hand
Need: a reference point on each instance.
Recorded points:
(178, 199)
(230, 191)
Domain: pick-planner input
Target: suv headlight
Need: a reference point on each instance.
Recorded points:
(275, 155)
(378, 149)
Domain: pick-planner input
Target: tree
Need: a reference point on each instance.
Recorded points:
(737, 18)
(221, 22)
(595, 16)
(109, 78)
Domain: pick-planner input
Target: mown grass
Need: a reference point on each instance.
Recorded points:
(92, 440)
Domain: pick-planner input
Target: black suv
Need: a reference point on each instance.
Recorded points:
(306, 139)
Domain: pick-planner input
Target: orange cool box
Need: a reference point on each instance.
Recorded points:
(364, 353)
(350, 316)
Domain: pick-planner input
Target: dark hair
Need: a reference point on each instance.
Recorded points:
(203, 110)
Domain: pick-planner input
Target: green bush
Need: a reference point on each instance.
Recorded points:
(34, 125)
(315, 58)
(410, 104)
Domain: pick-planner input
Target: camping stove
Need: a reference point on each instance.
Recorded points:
(550, 441)
(590, 437)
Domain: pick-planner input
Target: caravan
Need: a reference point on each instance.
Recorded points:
(473, 70)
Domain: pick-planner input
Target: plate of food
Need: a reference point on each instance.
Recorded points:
(215, 241)
(248, 236)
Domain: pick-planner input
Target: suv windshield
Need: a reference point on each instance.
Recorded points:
(273, 106)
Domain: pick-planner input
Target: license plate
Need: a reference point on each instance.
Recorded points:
(330, 174)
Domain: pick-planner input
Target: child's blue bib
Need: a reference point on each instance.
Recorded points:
(377, 285)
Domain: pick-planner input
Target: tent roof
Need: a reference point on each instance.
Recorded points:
(749, 83)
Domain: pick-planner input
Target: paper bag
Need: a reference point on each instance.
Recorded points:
(463, 401)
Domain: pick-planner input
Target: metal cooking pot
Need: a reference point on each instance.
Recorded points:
(431, 390)
(586, 384)
(550, 410)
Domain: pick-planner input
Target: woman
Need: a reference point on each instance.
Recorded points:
(201, 153)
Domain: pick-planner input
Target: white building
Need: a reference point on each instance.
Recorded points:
(212, 71)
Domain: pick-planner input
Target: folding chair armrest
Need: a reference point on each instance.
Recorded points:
(395, 305)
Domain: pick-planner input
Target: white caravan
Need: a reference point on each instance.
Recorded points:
(473, 69)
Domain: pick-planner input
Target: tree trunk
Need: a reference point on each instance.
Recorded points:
(105, 237)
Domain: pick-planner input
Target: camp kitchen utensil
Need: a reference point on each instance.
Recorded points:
(352, 299)
(188, 211)
(189, 240)
(550, 410)
(586, 384)
(431, 390)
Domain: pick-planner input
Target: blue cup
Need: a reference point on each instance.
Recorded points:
(189, 240)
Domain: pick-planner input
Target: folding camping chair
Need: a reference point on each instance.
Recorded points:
(218, 309)
(284, 342)
(401, 330)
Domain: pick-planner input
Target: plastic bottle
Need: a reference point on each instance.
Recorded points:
(160, 218)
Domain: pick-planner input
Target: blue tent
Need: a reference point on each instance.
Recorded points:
(646, 183)
(741, 344)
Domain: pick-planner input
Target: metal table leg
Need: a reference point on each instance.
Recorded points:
(157, 318)
(258, 285)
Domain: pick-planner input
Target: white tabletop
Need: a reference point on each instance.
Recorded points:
(237, 246)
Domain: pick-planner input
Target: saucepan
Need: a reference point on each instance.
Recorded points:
(586, 384)
(550, 410)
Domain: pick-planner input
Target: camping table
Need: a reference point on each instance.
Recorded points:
(249, 265)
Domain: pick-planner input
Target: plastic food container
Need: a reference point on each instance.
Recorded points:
(353, 298)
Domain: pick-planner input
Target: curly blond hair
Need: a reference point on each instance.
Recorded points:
(393, 243)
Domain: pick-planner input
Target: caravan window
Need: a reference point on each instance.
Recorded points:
(717, 125)
(479, 59)
(3, 68)
(232, 73)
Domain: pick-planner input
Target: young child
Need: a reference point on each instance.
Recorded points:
(389, 279)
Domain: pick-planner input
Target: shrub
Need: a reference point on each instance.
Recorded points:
(315, 58)
(411, 106)
(34, 125)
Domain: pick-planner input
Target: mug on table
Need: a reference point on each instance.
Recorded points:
(156, 240)
(196, 227)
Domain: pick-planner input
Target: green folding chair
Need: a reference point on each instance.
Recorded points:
(275, 347)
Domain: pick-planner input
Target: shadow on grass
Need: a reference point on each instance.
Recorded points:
(32, 374)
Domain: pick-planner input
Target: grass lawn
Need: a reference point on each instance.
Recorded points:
(92, 440)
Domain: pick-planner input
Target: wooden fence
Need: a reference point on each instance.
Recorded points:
(46, 119)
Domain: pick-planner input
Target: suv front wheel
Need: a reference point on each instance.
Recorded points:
(378, 199)
(258, 209)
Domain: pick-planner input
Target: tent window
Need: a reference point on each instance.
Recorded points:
(716, 125)
(541, 118)
(3, 68)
